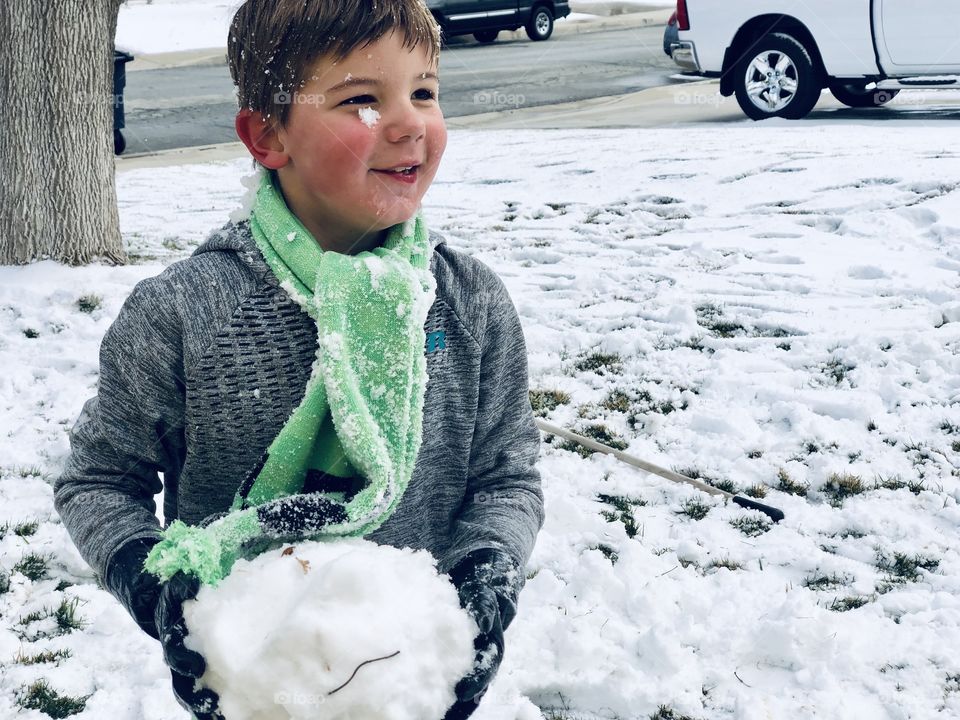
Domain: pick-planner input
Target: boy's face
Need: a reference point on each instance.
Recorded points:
(362, 143)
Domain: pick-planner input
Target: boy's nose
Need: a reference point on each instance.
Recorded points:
(404, 123)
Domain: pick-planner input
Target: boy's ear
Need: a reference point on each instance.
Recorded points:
(260, 137)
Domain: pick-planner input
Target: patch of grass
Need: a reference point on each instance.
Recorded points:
(751, 526)
(850, 602)
(952, 683)
(40, 696)
(600, 363)
(726, 563)
(871, 426)
(544, 401)
(624, 511)
(171, 243)
(772, 332)
(895, 482)
(840, 486)
(725, 485)
(616, 401)
(694, 343)
(955, 446)
(621, 502)
(33, 566)
(754, 454)
(66, 616)
(4, 582)
(787, 484)
(695, 473)
(26, 471)
(31, 334)
(26, 529)
(920, 451)
(711, 317)
(822, 581)
(905, 567)
(609, 552)
(47, 656)
(837, 370)
(665, 712)
(757, 490)
(599, 432)
(949, 428)
(695, 509)
(89, 303)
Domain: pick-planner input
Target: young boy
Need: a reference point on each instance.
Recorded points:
(211, 363)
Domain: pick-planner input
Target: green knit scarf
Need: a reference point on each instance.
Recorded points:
(369, 375)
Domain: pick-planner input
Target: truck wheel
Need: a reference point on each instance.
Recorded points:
(856, 95)
(540, 24)
(777, 78)
(486, 36)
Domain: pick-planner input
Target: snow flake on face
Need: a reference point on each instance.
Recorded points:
(368, 116)
(291, 236)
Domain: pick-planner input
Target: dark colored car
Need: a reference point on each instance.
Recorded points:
(484, 19)
(671, 34)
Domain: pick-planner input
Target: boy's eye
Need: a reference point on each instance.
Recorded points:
(424, 94)
(360, 100)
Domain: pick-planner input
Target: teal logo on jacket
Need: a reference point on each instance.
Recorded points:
(436, 341)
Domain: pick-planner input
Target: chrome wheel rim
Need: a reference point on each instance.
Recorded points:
(771, 81)
(543, 23)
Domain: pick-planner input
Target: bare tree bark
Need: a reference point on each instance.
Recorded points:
(57, 195)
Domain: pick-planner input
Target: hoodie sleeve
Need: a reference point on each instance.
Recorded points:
(129, 432)
(503, 507)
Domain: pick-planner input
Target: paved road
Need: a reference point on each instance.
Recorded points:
(189, 106)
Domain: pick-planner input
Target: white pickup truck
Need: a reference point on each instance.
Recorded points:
(777, 56)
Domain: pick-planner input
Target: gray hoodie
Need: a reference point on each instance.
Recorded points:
(207, 360)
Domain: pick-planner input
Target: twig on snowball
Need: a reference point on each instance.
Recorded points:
(365, 662)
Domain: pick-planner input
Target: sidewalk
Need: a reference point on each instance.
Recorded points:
(565, 26)
(666, 106)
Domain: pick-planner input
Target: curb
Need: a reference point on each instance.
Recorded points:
(220, 152)
(217, 56)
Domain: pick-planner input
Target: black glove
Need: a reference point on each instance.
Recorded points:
(488, 582)
(136, 589)
(186, 666)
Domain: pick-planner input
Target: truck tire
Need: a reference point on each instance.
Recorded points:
(540, 24)
(485, 37)
(777, 78)
(856, 95)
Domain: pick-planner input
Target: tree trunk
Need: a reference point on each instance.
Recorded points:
(57, 195)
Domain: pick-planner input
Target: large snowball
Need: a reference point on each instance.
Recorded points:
(284, 630)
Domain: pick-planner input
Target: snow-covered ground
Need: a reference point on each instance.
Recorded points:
(770, 310)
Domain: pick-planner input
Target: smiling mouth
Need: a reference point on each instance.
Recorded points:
(401, 170)
(406, 174)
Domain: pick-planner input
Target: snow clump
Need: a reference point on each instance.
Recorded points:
(284, 631)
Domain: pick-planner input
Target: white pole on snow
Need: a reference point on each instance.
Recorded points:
(771, 512)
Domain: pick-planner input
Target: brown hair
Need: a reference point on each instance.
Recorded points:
(272, 43)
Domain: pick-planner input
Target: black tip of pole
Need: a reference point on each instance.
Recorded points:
(770, 512)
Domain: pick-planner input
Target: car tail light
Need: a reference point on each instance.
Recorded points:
(683, 20)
